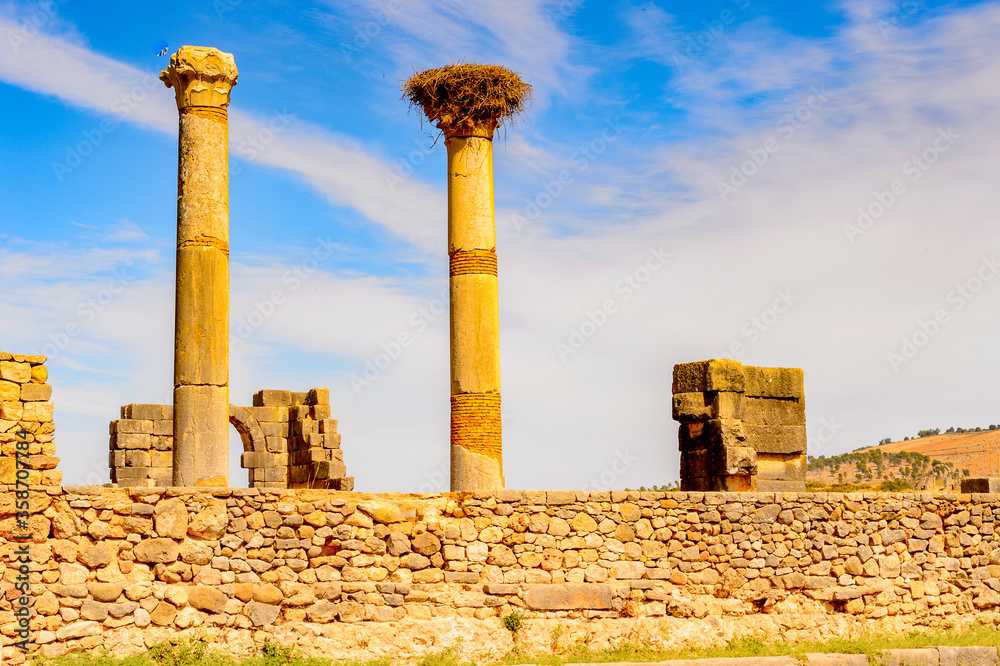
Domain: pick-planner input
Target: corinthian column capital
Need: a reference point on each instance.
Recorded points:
(200, 76)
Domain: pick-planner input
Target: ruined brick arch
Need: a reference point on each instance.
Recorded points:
(249, 428)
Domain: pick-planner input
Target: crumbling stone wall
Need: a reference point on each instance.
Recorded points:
(288, 437)
(27, 430)
(352, 575)
(742, 428)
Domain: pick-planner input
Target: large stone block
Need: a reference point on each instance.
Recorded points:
(774, 382)
(32, 392)
(773, 411)
(13, 371)
(781, 466)
(569, 596)
(981, 485)
(272, 397)
(775, 438)
(714, 433)
(718, 374)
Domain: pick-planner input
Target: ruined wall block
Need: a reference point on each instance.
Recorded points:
(776, 438)
(272, 398)
(713, 375)
(774, 382)
(773, 411)
(727, 410)
(712, 434)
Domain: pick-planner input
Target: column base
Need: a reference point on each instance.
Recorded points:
(476, 449)
(201, 436)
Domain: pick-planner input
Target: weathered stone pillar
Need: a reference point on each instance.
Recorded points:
(468, 102)
(202, 78)
(476, 451)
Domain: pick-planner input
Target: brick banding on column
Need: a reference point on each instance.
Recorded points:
(209, 112)
(206, 241)
(475, 423)
(472, 262)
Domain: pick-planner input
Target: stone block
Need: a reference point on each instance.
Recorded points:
(774, 382)
(321, 411)
(13, 371)
(967, 656)
(737, 461)
(143, 412)
(345, 483)
(712, 375)
(11, 410)
(327, 426)
(695, 463)
(828, 659)
(981, 485)
(331, 440)
(779, 486)
(560, 497)
(911, 657)
(266, 397)
(330, 469)
(136, 458)
(569, 596)
(781, 467)
(41, 412)
(10, 391)
(775, 439)
(32, 392)
(276, 444)
(773, 411)
(133, 426)
(299, 397)
(318, 396)
(714, 433)
(132, 441)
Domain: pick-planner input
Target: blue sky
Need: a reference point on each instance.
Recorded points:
(788, 184)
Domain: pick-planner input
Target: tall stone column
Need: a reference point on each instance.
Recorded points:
(468, 102)
(202, 78)
(476, 449)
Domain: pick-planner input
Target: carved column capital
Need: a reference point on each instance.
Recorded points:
(200, 76)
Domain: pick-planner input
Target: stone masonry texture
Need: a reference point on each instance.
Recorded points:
(348, 575)
(742, 428)
(289, 441)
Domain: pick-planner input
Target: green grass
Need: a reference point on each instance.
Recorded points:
(199, 652)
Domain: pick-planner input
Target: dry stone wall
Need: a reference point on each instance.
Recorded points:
(353, 575)
(27, 429)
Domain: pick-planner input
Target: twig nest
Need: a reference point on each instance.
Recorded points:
(468, 98)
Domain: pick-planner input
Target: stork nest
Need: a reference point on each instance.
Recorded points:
(466, 96)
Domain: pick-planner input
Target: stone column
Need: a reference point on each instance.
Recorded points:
(202, 78)
(476, 453)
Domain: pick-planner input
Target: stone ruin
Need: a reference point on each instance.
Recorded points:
(289, 441)
(742, 428)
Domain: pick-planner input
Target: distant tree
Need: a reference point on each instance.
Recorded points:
(978, 429)
(949, 430)
(887, 440)
(906, 439)
(930, 432)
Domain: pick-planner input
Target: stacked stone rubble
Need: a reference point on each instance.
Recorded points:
(288, 437)
(363, 576)
(742, 428)
(27, 430)
(142, 444)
